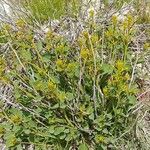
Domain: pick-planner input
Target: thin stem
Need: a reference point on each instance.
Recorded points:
(17, 57)
(95, 72)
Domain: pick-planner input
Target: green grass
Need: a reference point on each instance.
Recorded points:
(43, 10)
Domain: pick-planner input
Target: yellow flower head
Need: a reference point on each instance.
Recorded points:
(147, 46)
(20, 23)
(71, 67)
(16, 119)
(85, 34)
(84, 53)
(60, 65)
(7, 27)
(114, 20)
(49, 35)
(62, 96)
(127, 77)
(120, 65)
(127, 23)
(91, 13)
(51, 86)
(109, 33)
(105, 91)
(94, 39)
(100, 139)
(2, 130)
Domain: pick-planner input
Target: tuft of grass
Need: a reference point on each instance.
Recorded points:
(44, 10)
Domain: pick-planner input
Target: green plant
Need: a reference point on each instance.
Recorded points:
(42, 10)
(67, 95)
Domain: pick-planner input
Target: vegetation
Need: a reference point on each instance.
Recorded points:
(69, 95)
(43, 10)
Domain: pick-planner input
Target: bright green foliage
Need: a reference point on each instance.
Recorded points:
(69, 95)
(43, 10)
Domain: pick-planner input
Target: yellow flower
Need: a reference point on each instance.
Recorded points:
(13, 141)
(59, 62)
(48, 46)
(127, 77)
(120, 65)
(7, 27)
(61, 49)
(2, 65)
(85, 34)
(60, 65)
(49, 35)
(20, 23)
(91, 13)
(126, 88)
(130, 19)
(71, 67)
(109, 33)
(94, 39)
(90, 69)
(51, 86)
(100, 139)
(105, 91)
(29, 37)
(127, 23)
(114, 20)
(84, 53)
(2, 130)
(62, 96)
(82, 110)
(16, 119)
(146, 46)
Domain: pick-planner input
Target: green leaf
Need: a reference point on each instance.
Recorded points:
(101, 147)
(51, 129)
(39, 46)
(91, 116)
(46, 58)
(55, 106)
(59, 130)
(132, 99)
(105, 131)
(17, 129)
(62, 136)
(26, 55)
(10, 140)
(19, 147)
(17, 94)
(89, 110)
(27, 131)
(68, 138)
(109, 116)
(66, 130)
(63, 105)
(107, 69)
(83, 146)
(70, 96)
